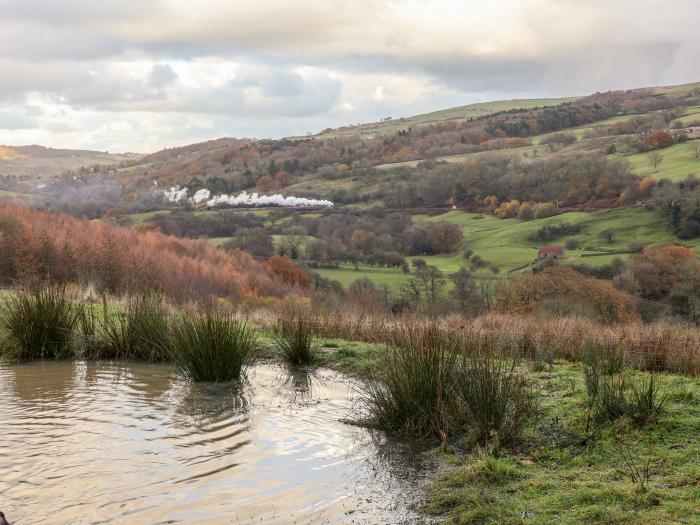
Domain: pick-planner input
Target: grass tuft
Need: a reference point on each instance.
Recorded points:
(139, 330)
(295, 340)
(212, 346)
(431, 385)
(40, 324)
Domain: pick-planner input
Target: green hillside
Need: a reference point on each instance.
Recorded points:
(460, 113)
(504, 243)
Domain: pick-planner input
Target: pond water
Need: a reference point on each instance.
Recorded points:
(87, 442)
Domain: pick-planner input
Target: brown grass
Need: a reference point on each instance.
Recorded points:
(657, 346)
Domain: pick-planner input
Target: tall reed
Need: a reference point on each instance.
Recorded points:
(295, 340)
(212, 346)
(411, 391)
(139, 329)
(40, 324)
(493, 397)
(432, 385)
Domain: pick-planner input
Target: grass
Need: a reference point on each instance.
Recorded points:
(39, 324)
(294, 339)
(346, 274)
(212, 346)
(138, 330)
(678, 162)
(504, 243)
(561, 474)
(427, 384)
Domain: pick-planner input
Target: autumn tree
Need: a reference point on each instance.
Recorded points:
(658, 140)
(557, 283)
(266, 185)
(289, 272)
(283, 179)
(445, 237)
(654, 273)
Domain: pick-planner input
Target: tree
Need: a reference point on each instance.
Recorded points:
(430, 281)
(286, 270)
(608, 235)
(696, 150)
(658, 140)
(655, 158)
(266, 185)
(283, 179)
(655, 273)
(293, 241)
(466, 293)
(256, 241)
(445, 237)
(530, 293)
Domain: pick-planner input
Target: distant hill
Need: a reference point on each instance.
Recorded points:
(42, 163)
(339, 164)
(457, 114)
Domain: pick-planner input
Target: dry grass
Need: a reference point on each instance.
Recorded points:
(657, 346)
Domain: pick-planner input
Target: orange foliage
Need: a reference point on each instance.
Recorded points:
(289, 272)
(658, 140)
(528, 293)
(646, 184)
(39, 245)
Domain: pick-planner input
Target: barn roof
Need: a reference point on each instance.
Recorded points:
(551, 250)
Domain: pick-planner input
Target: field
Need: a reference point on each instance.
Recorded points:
(459, 113)
(503, 243)
(43, 163)
(678, 162)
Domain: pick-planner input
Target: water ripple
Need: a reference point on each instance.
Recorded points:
(89, 443)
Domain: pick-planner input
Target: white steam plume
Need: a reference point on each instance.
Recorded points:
(177, 194)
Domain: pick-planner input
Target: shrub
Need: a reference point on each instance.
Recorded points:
(140, 330)
(295, 340)
(40, 324)
(410, 391)
(212, 346)
(494, 398)
(647, 399)
(572, 244)
(612, 396)
(433, 385)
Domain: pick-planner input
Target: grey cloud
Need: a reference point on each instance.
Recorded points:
(11, 119)
(161, 75)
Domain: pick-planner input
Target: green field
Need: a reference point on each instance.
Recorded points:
(13, 194)
(678, 162)
(503, 243)
(480, 109)
(524, 152)
(346, 274)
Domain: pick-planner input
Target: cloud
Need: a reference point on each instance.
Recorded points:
(274, 67)
(11, 119)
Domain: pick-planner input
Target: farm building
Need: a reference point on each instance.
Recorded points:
(550, 252)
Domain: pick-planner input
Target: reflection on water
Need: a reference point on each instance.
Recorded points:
(111, 443)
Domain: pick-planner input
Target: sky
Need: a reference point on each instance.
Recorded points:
(141, 75)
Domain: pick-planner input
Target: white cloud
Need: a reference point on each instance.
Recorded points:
(183, 71)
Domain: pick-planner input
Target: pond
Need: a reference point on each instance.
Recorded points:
(94, 442)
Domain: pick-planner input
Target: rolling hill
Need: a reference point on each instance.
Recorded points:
(39, 162)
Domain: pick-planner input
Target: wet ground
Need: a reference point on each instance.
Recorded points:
(86, 442)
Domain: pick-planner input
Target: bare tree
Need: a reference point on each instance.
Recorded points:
(655, 158)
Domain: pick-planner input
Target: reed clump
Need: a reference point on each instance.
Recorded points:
(39, 324)
(294, 339)
(615, 393)
(212, 346)
(431, 385)
(140, 329)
